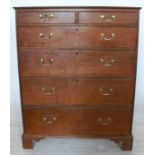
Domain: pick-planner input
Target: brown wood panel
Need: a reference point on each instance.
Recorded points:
(46, 36)
(107, 37)
(44, 17)
(43, 91)
(108, 17)
(76, 91)
(77, 37)
(77, 121)
(45, 62)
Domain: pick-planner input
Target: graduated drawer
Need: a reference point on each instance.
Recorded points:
(70, 121)
(45, 17)
(107, 17)
(76, 91)
(77, 37)
(44, 62)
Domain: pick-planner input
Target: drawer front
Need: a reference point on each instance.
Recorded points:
(76, 91)
(41, 17)
(43, 62)
(78, 121)
(78, 37)
(46, 36)
(43, 91)
(107, 37)
(108, 17)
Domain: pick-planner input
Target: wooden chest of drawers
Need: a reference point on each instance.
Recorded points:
(77, 69)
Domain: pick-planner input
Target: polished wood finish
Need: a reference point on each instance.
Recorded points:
(126, 142)
(79, 36)
(76, 91)
(108, 17)
(76, 62)
(40, 17)
(86, 123)
(77, 68)
(27, 142)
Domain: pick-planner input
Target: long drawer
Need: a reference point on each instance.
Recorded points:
(46, 62)
(76, 91)
(78, 121)
(77, 37)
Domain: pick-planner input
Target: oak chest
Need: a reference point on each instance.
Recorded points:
(77, 69)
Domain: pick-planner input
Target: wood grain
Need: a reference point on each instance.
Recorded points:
(34, 17)
(76, 91)
(77, 62)
(120, 18)
(77, 37)
(77, 121)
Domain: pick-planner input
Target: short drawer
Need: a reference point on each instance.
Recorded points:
(76, 91)
(108, 18)
(45, 62)
(78, 37)
(78, 121)
(45, 17)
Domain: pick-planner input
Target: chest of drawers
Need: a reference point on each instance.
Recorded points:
(77, 71)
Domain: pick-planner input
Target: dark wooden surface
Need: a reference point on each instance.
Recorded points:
(77, 62)
(120, 18)
(77, 37)
(76, 91)
(34, 17)
(82, 77)
(77, 121)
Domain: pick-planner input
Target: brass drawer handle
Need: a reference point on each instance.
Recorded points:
(49, 119)
(51, 60)
(48, 91)
(46, 17)
(113, 35)
(107, 18)
(107, 63)
(42, 61)
(104, 122)
(46, 37)
(106, 92)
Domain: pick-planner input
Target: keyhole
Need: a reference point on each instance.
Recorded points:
(76, 80)
(76, 53)
(76, 29)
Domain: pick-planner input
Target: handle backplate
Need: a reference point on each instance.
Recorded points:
(107, 63)
(43, 62)
(107, 18)
(108, 37)
(48, 91)
(46, 37)
(104, 121)
(46, 17)
(106, 91)
(49, 119)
